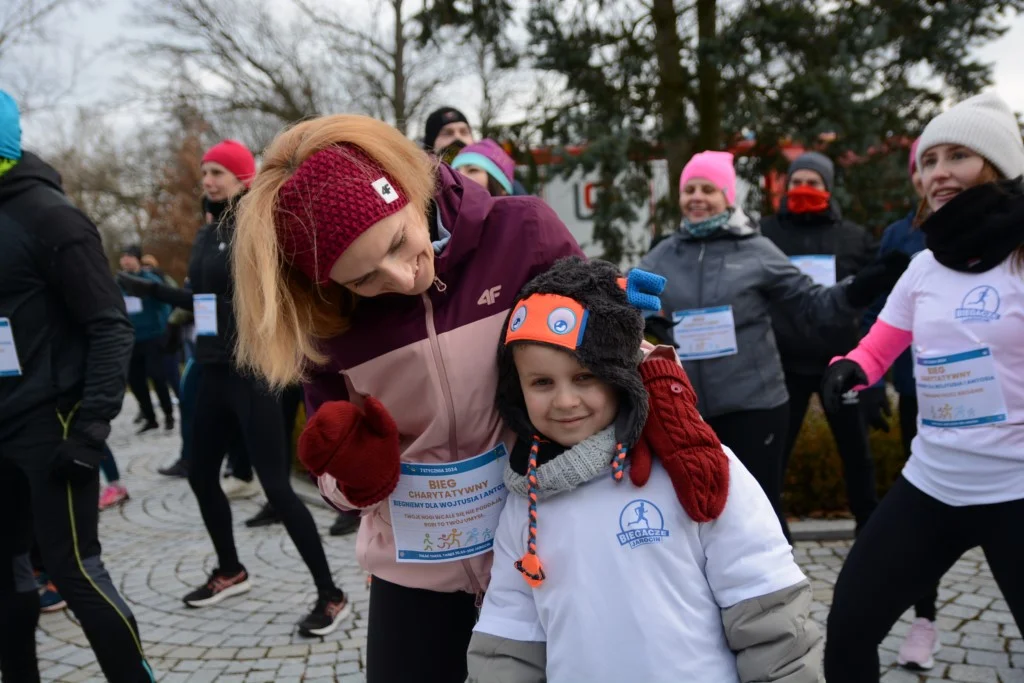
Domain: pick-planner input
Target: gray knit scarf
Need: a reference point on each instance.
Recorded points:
(586, 460)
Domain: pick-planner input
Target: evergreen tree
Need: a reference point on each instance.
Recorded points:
(856, 80)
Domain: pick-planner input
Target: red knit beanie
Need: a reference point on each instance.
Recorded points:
(234, 156)
(333, 197)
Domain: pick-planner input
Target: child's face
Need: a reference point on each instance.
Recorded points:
(565, 401)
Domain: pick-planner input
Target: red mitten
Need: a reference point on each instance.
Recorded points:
(359, 449)
(688, 448)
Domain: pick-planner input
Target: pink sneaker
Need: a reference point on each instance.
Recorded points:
(919, 647)
(114, 494)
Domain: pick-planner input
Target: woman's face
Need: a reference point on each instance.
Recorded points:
(948, 170)
(219, 184)
(476, 174)
(394, 256)
(701, 199)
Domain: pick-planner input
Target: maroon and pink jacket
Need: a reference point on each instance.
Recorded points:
(432, 359)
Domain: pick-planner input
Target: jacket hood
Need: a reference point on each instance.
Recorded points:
(739, 225)
(29, 171)
(463, 207)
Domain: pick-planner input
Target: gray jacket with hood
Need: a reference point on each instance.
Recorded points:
(738, 266)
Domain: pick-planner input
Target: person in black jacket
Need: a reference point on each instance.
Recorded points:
(65, 342)
(231, 403)
(810, 229)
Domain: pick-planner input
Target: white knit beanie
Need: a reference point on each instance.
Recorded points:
(984, 124)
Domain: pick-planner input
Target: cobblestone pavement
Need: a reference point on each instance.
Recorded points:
(157, 550)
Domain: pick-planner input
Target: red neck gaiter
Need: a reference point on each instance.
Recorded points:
(805, 199)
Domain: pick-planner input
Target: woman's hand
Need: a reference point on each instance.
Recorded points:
(840, 378)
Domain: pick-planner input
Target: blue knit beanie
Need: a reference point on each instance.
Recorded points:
(10, 127)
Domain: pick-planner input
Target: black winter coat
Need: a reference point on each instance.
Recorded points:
(71, 332)
(821, 233)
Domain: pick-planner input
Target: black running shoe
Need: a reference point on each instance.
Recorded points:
(345, 524)
(331, 609)
(178, 469)
(169, 423)
(148, 427)
(265, 517)
(219, 587)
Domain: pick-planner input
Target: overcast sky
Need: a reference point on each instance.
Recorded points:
(97, 30)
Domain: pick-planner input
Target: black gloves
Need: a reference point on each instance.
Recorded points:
(78, 460)
(841, 377)
(874, 402)
(136, 286)
(876, 279)
(658, 330)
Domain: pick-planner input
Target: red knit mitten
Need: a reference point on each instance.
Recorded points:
(688, 448)
(360, 450)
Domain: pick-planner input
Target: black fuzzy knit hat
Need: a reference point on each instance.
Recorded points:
(604, 332)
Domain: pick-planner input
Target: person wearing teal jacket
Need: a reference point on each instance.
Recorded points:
(149, 318)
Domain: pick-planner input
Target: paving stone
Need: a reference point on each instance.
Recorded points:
(1011, 675)
(319, 672)
(972, 674)
(991, 659)
(977, 642)
(289, 651)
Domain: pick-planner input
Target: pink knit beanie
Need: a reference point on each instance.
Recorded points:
(715, 167)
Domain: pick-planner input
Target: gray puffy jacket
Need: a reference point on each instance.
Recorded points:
(740, 267)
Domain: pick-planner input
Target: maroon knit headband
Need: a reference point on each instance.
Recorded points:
(333, 197)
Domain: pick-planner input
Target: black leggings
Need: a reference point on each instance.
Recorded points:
(147, 363)
(65, 520)
(925, 607)
(906, 547)
(758, 438)
(850, 433)
(227, 404)
(399, 648)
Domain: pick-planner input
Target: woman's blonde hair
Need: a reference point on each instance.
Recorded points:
(282, 315)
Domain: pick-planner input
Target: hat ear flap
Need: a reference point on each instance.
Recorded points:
(508, 397)
(633, 408)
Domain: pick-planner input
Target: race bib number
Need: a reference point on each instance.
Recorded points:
(704, 333)
(959, 390)
(204, 308)
(9, 365)
(819, 267)
(133, 305)
(448, 511)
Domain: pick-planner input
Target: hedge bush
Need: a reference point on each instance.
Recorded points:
(814, 485)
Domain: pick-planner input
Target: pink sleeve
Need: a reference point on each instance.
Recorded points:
(879, 349)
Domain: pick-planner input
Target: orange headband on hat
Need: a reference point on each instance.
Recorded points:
(550, 319)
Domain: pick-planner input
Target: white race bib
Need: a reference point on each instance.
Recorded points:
(959, 390)
(133, 305)
(819, 267)
(204, 309)
(703, 333)
(448, 511)
(9, 365)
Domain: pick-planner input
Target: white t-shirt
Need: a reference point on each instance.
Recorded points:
(634, 587)
(953, 316)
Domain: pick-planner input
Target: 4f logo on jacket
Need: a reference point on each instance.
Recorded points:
(489, 296)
